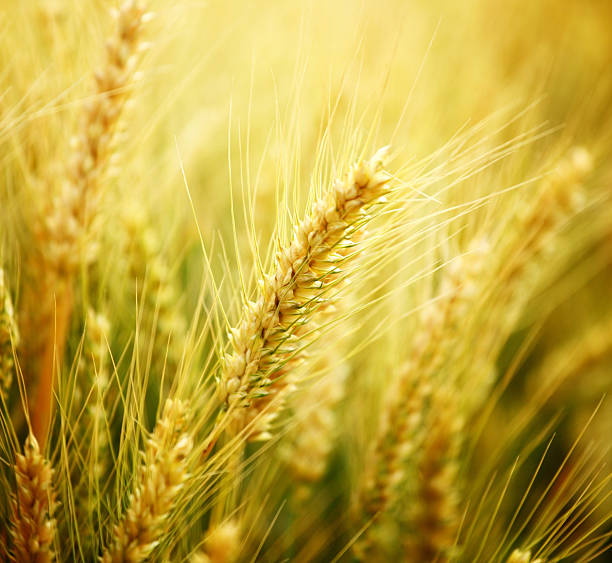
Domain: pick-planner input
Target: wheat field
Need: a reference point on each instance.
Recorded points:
(305, 281)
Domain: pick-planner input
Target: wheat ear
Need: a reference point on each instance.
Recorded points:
(314, 421)
(9, 338)
(33, 506)
(162, 476)
(312, 436)
(67, 229)
(92, 430)
(65, 232)
(435, 511)
(536, 227)
(576, 358)
(561, 196)
(221, 545)
(265, 345)
(96, 364)
(521, 556)
(150, 269)
(401, 428)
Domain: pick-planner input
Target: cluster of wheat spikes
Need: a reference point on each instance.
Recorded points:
(280, 341)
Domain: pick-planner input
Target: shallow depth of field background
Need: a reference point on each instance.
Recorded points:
(240, 112)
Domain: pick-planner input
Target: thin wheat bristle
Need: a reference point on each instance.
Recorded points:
(161, 478)
(33, 505)
(264, 345)
(9, 337)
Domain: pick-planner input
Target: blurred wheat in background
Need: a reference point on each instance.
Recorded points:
(305, 281)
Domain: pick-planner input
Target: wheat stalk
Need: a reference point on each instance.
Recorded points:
(161, 478)
(33, 505)
(265, 346)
